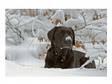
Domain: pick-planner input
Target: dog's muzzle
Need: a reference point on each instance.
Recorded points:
(68, 40)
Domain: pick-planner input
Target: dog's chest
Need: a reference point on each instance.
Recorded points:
(62, 59)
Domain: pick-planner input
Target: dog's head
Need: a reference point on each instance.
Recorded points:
(62, 37)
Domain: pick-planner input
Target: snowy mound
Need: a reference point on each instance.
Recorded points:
(13, 69)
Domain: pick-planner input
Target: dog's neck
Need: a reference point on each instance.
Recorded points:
(60, 54)
(59, 51)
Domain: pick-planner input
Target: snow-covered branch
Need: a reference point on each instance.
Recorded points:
(14, 28)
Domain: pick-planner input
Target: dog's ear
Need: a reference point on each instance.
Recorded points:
(51, 33)
(73, 35)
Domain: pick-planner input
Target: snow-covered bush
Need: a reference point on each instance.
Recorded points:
(12, 29)
(74, 23)
(40, 29)
(30, 47)
(58, 17)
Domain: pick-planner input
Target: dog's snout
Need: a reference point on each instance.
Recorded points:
(68, 39)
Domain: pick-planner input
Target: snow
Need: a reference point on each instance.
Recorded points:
(41, 27)
(59, 15)
(72, 22)
(30, 47)
(13, 69)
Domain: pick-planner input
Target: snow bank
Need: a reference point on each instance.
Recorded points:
(13, 69)
(27, 50)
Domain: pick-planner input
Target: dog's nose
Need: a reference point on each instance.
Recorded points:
(68, 40)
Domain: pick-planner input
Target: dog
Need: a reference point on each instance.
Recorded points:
(61, 54)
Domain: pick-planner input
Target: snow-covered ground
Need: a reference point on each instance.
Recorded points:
(36, 69)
